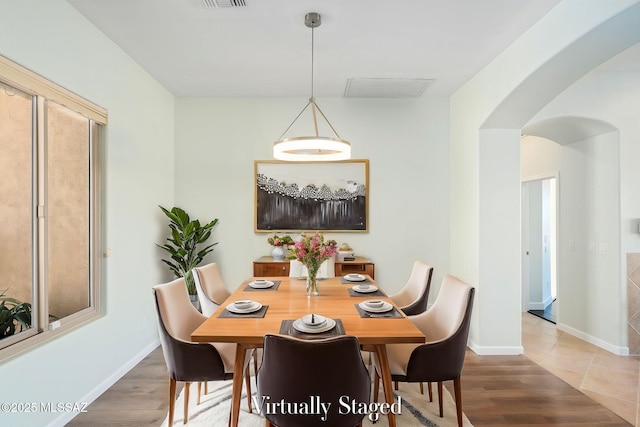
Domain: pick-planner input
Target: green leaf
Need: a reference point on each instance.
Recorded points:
(183, 217)
(170, 215)
(185, 236)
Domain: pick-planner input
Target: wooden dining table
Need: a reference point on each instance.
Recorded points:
(289, 301)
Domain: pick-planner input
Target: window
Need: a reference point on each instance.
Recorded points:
(50, 154)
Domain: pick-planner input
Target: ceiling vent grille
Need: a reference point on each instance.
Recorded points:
(386, 88)
(224, 3)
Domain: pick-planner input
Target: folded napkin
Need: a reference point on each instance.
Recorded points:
(377, 293)
(276, 283)
(259, 313)
(391, 314)
(286, 328)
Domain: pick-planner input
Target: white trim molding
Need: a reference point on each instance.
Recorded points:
(65, 417)
(615, 349)
(496, 350)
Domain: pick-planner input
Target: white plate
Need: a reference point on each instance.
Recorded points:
(364, 289)
(384, 308)
(300, 326)
(355, 277)
(319, 321)
(261, 285)
(254, 307)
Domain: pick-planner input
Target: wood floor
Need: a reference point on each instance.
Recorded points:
(497, 391)
(513, 390)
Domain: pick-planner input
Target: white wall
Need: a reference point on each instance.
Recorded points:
(406, 142)
(589, 290)
(610, 97)
(52, 39)
(549, 57)
(540, 164)
(590, 217)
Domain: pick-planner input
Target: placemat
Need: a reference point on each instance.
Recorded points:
(286, 328)
(392, 314)
(349, 282)
(259, 313)
(377, 293)
(276, 283)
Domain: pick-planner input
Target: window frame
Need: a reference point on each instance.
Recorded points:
(42, 91)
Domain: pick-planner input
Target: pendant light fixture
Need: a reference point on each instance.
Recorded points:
(313, 147)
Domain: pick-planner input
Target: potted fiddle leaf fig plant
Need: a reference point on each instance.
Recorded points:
(15, 316)
(185, 244)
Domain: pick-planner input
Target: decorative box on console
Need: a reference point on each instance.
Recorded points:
(343, 256)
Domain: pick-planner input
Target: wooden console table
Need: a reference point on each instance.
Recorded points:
(266, 266)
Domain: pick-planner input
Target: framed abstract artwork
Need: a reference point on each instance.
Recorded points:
(311, 196)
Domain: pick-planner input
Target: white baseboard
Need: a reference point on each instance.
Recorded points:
(615, 349)
(516, 350)
(540, 305)
(496, 350)
(65, 417)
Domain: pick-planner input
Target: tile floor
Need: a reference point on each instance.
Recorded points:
(611, 380)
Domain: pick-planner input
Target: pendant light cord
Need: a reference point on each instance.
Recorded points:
(312, 59)
(312, 101)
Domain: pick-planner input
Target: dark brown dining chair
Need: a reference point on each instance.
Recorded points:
(294, 370)
(212, 292)
(414, 296)
(446, 328)
(189, 361)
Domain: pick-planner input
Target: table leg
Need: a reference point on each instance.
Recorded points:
(236, 393)
(385, 373)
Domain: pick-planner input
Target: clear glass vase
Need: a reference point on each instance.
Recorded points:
(312, 281)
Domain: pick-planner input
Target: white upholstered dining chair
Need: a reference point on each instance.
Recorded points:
(446, 328)
(189, 361)
(327, 269)
(212, 292)
(414, 296)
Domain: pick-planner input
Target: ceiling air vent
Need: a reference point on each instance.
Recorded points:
(224, 3)
(386, 88)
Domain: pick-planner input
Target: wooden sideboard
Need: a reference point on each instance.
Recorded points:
(266, 266)
(360, 265)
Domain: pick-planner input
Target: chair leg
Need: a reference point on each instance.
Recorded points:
(440, 398)
(376, 385)
(247, 381)
(430, 392)
(206, 387)
(457, 387)
(199, 391)
(255, 364)
(421, 389)
(186, 403)
(395, 385)
(172, 399)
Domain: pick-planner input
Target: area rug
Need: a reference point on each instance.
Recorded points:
(416, 410)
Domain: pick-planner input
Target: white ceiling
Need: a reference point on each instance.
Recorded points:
(264, 48)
